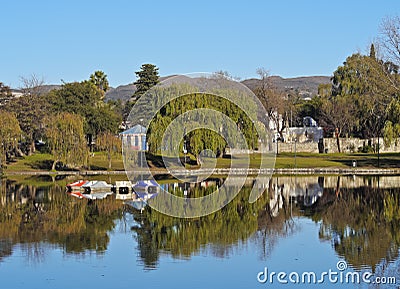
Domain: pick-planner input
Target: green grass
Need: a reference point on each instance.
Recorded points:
(41, 161)
(338, 160)
(100, 162)
(34, 162)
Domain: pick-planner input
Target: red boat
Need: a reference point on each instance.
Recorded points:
(76, 186)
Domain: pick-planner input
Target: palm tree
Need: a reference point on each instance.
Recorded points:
(99, 79)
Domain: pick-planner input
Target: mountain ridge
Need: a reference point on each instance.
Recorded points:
(306, 86)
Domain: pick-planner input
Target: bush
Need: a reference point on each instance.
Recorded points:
(366, 149)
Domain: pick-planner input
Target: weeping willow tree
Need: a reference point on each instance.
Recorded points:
(10, 133)
(66, 139)
(110, 144)
(202, 108)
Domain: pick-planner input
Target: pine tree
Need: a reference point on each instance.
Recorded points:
(147, 77)
(372, 53)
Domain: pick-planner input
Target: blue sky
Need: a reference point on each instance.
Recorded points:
(69, 40)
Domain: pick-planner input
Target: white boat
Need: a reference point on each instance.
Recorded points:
(97, 196)
(123, 190)
(92, 190)
(97, 186)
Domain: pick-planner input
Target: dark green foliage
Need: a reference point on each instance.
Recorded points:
(147, 77)
(99, 79)
(30, 111)
(201, 139)
(372, 52)
(85, 99)
(364, 87)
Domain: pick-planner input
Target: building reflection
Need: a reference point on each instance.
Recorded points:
(358, 215)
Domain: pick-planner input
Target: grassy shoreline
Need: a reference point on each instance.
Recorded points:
(39, 162)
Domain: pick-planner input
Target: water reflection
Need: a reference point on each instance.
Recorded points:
(33, 214)
(359, 216)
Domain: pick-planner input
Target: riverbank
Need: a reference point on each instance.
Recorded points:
(286, 163)
(227, 171)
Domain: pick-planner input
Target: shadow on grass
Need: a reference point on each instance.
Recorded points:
(47, 165)
(157, 161)
(387, 161)
(97, 168)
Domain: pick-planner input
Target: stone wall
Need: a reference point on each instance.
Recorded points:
(347, 145)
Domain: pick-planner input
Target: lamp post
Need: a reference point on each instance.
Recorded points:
(184, 151)
(295, 160)
(378, 153)
(379, 128)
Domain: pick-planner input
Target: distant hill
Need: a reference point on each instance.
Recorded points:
(307, 86)
(125, 92)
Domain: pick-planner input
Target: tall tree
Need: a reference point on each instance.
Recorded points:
(147, 77)
(66, 139)
(30, 110)
(361, 80)
(109, 143)
(338, 112)
(372, 52)
(201, 139)
(390, 42)
(10, 134)
(85, 99)
(32, 85)
(390, 39)
(99, 79)
(274, 101)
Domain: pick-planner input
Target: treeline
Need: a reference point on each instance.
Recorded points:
(65, 120)
(362, 99)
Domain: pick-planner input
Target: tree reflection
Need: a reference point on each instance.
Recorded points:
(218, 233)
(362, 223)
(185, 237)
(32, 214)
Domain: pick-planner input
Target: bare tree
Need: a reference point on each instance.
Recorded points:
(32, 85)
(390, 38)
(338, 112)
(30, 109)
(274, 101)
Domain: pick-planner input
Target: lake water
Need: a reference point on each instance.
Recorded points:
(307, 232)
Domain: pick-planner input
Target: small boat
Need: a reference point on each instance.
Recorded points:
(76, 186)
(97, 196)
(91, 196)
(76, 194)
(146, 190)
(123, 190)
(97, 186)
(93, 190)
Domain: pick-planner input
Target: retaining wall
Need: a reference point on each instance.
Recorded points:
(347, 145)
